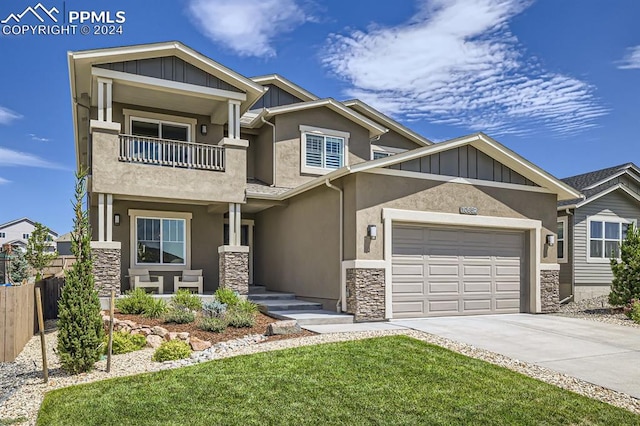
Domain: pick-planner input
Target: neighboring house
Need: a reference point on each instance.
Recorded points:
(590, 229)
(17, 232)
(63, 244)
(194, 166)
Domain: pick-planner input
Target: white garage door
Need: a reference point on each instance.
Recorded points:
(438, 271)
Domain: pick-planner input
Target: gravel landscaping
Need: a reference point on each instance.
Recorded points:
(24, 396)
(596, 309)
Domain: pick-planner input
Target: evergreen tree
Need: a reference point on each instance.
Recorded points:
(18, 267)
(80, 331)
(39, 245)
(626, 272)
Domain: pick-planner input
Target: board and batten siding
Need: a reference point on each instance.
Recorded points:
(566, 268)
(616, 205)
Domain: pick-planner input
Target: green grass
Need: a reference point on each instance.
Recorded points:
(389, 380)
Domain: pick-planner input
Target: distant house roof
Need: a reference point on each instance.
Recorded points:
(23, 219)
(64, 238)
(589, 183)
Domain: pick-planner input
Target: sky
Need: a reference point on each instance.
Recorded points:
(558, 82)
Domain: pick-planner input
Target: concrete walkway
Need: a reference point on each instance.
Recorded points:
(603, 354)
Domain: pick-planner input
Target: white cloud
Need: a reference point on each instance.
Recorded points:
(4, 181)
(248, 27)
(456, 62)
(9, 157)
(7, 116)
(35, 137)
(631, 60)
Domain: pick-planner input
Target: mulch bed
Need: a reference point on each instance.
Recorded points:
(229, 334)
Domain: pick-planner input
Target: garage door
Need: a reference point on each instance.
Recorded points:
(438, 271)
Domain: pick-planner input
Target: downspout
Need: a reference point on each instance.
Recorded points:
(341, 233)
(273, 144)
(573, 281)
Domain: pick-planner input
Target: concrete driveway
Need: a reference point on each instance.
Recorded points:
(604, 354)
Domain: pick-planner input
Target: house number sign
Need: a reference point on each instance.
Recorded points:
(468, 210)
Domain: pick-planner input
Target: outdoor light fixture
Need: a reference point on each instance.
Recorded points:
(203, 129)
(372, 231)
(116, 219)
(551, 240)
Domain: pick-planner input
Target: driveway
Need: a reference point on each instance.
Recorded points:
(599, 353)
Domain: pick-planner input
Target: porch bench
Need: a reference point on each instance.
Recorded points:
(189, 279)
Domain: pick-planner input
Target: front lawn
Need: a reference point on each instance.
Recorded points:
(388, 380)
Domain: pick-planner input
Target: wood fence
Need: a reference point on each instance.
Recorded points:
(17, 314)
(51, 289)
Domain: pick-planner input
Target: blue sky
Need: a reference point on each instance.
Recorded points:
(556, 81)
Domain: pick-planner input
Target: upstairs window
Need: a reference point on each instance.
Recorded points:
(380, 151)
(322, 150)
(3, 235)
(25, 236)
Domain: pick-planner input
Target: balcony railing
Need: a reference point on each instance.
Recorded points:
(162, 152)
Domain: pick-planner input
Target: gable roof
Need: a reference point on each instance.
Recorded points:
(588, 183)
(480, 141)
(374, 114)
(252, 119)
(286, 85)
(23, 219)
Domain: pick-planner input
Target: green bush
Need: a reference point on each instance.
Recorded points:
(227, 296)
(124, 342)
(215, 325)
(632, 311)
(134, 302)
(155, 308)
(179, 315)
(184, 297)
(626, 272)
(214, 309)
(247, 306)
(240, 319)
(172, 350)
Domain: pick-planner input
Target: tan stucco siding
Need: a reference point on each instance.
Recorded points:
(251, 155)
(206, 237)
(395, 140)
(297, 246)
(375, 192)
(288, 145)
(263, 147)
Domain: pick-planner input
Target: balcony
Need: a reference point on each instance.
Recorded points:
(171, 153)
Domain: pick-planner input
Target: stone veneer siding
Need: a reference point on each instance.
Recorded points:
(550, 290)
(234, 271)
(106, 270)
(365, 294)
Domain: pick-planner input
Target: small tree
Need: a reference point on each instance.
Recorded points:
(626, 271)
(80, 331)
(18, 267)
(38, 254)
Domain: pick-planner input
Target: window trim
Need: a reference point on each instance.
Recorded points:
(153, 117)
(155, 214)
(565, 250)
(319, 131)
(389, 150)
(610, 219)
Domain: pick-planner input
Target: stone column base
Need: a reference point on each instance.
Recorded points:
(234, 268)
(550, 290)
(106, 266)
(365, 294)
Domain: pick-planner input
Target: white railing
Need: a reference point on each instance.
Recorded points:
(162, 152)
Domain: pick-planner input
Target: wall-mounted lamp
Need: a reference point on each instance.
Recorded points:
(116, 219)
(203, 129)
(372, 231)
(551, 240)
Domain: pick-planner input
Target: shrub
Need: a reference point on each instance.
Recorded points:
(184, 297)
(214, 309)
(632, 310)
(179, 315)
(247, 306)
(80, 330)
(18, 270)
(240, 319)
(215, 325)
(172, 350)
(124, 342)
(135, 302)
(626, 272)
(155, 308)
(227, 296)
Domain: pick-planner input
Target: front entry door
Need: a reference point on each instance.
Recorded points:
(246, 239)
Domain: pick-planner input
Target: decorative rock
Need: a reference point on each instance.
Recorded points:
(283, 327)
(159, 331)
(124, 328)
(170, 336)
(198, 344)
(183, 335)
(154, 341)
(144, 331)
(131, 324)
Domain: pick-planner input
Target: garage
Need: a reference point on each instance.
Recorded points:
(457, 271)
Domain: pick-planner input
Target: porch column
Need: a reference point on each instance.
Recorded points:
(105, 217)
(105, 100)
(234, 119)
(233, 259)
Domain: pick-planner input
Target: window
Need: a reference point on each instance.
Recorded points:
(605, 236)
(25, 236)
(160, 241)
(323, 150)
(561, 241)
(380, 154)
(379, 151)
(3, 235)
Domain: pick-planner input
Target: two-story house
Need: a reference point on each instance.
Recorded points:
(256, 180)
(17, 232)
